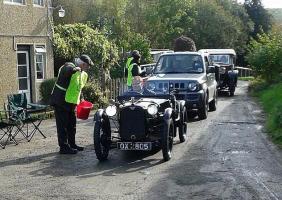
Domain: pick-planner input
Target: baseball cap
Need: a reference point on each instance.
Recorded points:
(85, 58)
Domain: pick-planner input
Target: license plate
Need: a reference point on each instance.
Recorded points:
(141, 146)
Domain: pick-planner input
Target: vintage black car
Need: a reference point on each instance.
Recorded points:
(140, 122)
(224, 60)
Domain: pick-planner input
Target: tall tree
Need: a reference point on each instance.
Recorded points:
(259, 15)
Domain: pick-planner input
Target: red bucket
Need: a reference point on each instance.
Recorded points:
(83, 109)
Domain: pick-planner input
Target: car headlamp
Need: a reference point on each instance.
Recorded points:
(151, 86)
(192, 86)
(222, 70)
(111, 110)
(152, 109)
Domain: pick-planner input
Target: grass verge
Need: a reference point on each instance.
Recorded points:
(248, 78)
(270, 97)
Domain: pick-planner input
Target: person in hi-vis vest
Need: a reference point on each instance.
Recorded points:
(65, 96)
(134, 69)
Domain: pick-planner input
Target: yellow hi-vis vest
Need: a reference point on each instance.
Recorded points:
(129, 74)
(77, 82)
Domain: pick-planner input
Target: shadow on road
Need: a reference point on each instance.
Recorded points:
(84, 164)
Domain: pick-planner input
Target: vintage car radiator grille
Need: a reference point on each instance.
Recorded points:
(132, 123)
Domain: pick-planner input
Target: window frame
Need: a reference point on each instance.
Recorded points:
(43, 62)
(39, 5)
(11, 2)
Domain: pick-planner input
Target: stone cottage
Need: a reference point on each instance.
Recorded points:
(26, 55)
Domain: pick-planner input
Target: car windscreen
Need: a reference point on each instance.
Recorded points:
(180, 63)
(221, 59)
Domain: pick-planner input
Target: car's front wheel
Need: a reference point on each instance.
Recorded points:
(213, 103)
(167, 139)
(204, 109)
(102, 142)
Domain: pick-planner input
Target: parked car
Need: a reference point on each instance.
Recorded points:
(140, 122)
(191, 75)
(224, 60)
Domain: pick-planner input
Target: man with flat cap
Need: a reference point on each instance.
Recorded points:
(64, 97)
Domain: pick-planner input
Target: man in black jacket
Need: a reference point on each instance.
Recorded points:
(64, 111)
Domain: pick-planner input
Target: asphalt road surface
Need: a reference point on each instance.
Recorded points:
(227, 156)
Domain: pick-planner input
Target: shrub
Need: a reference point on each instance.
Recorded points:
(46, 88)
(265, 56)
(72, 40)
(93, 93)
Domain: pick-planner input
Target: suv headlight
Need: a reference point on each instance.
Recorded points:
(152, 109)
(151, 86)
(111, 110)
(193, 86)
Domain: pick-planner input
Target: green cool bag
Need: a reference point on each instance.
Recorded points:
(77, 82)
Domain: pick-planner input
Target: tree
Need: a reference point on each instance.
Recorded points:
(216, 27)
(265, 55)
(168, 19)
(72, 40)
(260, 16)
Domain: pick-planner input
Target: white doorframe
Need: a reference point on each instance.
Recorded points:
(23, 73)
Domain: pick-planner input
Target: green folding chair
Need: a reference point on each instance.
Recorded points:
(6, 129)
(27, 113)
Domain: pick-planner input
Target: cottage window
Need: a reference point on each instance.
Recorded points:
(40, 53)
(21, 2)
(38, 2)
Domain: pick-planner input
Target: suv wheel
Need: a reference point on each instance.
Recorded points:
(213, 103)
(203, 110)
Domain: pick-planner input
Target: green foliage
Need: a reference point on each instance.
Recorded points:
(132, 41)
(259, 15)
(248, 78)
(92, 92)
(168, 19)
(46, 88)
(271, 99)
(265, 56)
(72, 40)
(218, 26)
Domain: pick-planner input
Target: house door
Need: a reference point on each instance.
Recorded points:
(23, 73)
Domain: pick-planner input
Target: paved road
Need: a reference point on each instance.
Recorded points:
(226, 156)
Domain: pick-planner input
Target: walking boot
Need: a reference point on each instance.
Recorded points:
(78, 148)
(67, 150)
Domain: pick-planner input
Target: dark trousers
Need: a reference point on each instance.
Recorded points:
(66, 126)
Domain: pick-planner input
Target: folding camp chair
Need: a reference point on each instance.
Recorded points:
(6, 129)
(27, 113)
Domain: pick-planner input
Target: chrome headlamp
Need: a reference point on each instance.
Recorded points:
(152, 109)
(222, 70)
(111, 110)
(193, 86)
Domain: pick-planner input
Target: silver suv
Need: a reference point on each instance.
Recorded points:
(190, 76)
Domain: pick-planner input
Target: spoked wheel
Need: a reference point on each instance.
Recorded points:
(167, 139)
(183, 126)
(102, 141)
